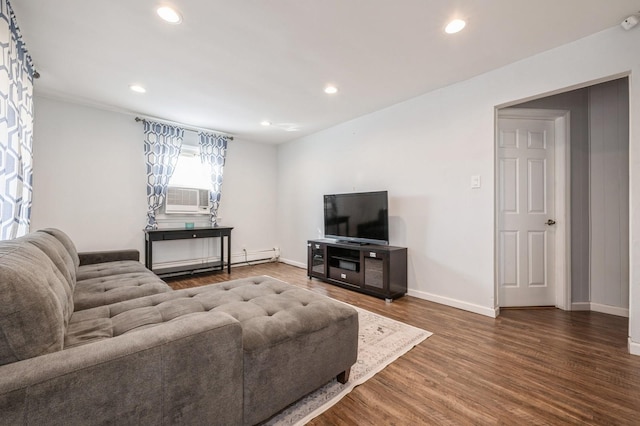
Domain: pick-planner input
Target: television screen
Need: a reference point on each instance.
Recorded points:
(357, 217)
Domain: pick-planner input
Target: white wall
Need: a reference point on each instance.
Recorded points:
(89, 175)
(89, 180)
(422, 154)
(249, 196)
(425, 150)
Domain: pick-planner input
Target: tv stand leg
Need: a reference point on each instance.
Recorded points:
(387, 300)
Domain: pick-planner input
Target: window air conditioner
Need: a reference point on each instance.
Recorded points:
(186, 200)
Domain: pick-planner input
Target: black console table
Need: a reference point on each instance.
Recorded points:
(151, 235)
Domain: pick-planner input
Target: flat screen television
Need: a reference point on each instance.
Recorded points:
(360, 217)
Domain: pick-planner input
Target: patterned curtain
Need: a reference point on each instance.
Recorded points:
(16, 128)
(213, 149)
(162, 144)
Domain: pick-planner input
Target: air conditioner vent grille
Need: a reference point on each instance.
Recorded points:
(186, 200)
(182, 197)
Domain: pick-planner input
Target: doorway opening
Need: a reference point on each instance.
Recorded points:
(584, 253)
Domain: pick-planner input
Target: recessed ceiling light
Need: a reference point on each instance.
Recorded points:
(266, 123)
(455, 26)
(169, 14)
(331, 90)
(137, 88)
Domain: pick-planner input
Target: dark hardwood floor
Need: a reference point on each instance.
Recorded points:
(526, 367)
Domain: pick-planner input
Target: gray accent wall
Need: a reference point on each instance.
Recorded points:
(609, 194)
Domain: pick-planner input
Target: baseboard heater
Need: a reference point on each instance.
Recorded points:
(237, 259)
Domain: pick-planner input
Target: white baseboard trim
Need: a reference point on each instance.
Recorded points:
(611, 310)
(634, 347)
(597, 307)
(301, 265)
(493, 313)
(477, 309)
(581, 306)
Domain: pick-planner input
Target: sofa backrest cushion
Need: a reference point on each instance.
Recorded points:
(58, 254)
(33, 303)
(66, 242)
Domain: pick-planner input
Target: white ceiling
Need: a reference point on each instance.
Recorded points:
(234, 63)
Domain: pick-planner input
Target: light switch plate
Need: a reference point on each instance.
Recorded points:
(475, 181)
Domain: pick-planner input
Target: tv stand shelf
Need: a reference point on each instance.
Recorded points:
(376, 270)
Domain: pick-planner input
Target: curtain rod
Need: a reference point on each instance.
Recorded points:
(187, 128)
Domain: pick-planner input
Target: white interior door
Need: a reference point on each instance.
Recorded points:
(526, 226)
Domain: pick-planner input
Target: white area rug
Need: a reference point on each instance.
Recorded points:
(381, 341)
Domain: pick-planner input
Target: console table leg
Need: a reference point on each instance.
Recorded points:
(149, 255)
(222, 252)
(229, 253)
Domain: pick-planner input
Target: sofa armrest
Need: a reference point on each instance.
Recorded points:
(187, 371)
(91, 257)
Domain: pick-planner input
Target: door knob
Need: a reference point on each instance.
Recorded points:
(550, 222)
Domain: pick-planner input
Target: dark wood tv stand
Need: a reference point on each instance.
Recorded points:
(376, 270)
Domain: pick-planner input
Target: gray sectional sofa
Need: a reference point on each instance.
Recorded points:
(96, 338)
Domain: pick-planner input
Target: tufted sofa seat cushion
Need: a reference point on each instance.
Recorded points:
(270, 311)
(103, 281)
(293, 340)
(111, 282)
(116, 288)
(104, 269)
